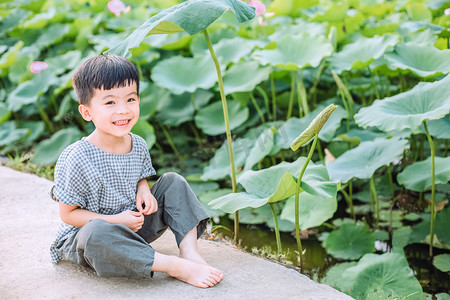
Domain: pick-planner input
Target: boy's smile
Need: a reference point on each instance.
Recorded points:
(114, 112)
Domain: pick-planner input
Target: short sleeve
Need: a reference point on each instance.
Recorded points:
(147, 167)
(70, 183)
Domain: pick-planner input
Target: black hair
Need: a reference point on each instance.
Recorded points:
(103, 72)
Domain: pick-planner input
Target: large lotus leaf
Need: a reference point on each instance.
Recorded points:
(191, 16)
(4, 113)
(275, 184)
(171, 41)
(360, 53)
(334, 276)
(251, 215)
(296, 52)
(219, 165)
(67, 61)
(48, 151)
(422, 60)
(180, 108)
(232, 50)
(36, 129)
(261, 148)
(205, 198)
(211, 121)
(424, 37)
(440, 129)
(441, 228)
(15, 18)
(29, 91)
(300, 26)
(361, 162)
(442, 262)
(417, 177)
(388, 272)
(9, 58)
(350, 241)
(292, 127)
(313, 210)
(145, 130)
(183, 74)
(244, 76)
(332, 12)
(199, 45)
(152, 99)
(52, 35)
(9, 134)
(426, 101)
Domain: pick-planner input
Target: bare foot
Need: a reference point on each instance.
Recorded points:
(193, 256)
(196, 274)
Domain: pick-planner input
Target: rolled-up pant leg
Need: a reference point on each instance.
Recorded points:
(178, 208)
(110, 249)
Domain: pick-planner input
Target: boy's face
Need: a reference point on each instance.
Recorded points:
(114, 112)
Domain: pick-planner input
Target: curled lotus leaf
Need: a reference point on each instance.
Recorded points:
(313, 128)
(191, 16)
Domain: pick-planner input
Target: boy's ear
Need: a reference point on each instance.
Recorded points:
(84, 111)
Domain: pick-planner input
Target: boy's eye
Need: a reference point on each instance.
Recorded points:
(131, 100)
(109, 102)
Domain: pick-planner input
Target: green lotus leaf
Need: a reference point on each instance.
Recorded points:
(283, 225)
(424, 37)
(4, 113)
(48, 151)
(334, 276)
(173, 41)
(400, 239)
(426, 101)
(361, 162)
(301, 26)
(313, 128)
(244, 77)
(441, 229)
(296, 52)
(183, 74)
(9, 58)
(207, 197)
(152, 98)
(359, 54)
(442, 262)
(290, 129)
(232, 50)
(211, 121)
(39, 21)
(9, 134)
(29, 91)
(199, 45)
(219, 165)
(350, 241)
(191, 16)
(251, 215)
(180, 108)
(374, 26)
(67, 61)
(440, 129)
(275, 184)
(52, 35)
(418, 12)
(417, 177)
(145, 130)
(423, 60)
(388, 273)
(313, 210)
(332, 12)
(14, 19)
(261, 148)
(413, 26)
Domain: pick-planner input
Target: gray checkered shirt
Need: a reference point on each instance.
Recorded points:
(98, 181)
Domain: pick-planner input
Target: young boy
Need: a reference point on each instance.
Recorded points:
(109, 213)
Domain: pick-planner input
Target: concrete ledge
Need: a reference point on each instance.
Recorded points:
(28, 223)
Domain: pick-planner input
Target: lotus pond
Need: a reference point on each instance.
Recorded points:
(313, 132)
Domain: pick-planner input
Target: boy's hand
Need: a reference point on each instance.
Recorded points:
(144, 196)
(132, 219)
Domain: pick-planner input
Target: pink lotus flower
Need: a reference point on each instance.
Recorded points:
(38, 66)
(447, 12)
(117, 7)
(260, 10)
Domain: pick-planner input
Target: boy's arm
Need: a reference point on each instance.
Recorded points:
(145, 196)
(75, 216)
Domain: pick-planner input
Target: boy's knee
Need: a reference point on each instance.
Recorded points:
(173, 177)
(94, 229)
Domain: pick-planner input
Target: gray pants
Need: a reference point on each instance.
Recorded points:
(115, 250)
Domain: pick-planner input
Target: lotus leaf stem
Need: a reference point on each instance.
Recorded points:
(375, 197)
(433, 200)
(302, 99)
(349, 203)
(196, 134)
(391, 182)
(291, 96)
(193, 102)
(227, 128)
(258, 109)
(274, 99)
(299, 180)
(266, 99)
(170, 141)
(374, 84)
(319, 150)
(277, 230)
(44, 116)
(313, 91)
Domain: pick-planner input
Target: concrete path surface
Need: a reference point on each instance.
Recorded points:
(28, 222)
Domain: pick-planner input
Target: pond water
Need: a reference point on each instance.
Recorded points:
(317, 262)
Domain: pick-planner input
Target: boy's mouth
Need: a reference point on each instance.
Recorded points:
(122, 122)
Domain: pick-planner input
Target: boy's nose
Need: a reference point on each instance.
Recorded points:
(122, 109)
